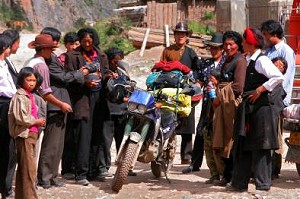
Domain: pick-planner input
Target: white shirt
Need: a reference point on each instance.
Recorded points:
(265, 66)
(7, 86)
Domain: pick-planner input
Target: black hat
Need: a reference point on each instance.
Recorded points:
(216, 40)
(182, 27)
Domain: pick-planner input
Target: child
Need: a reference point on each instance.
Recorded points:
(23, 127)
(281, 64)
(71, 42)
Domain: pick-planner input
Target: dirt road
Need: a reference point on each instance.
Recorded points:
(186, 186)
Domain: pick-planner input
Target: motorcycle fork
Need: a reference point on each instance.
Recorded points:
(127, 131)
(144, 133)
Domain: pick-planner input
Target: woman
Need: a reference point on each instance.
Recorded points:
(187, 56)
(228, 90)
(256, 129)
(84, 98)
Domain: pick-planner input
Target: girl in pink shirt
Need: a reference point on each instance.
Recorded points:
(23, 127)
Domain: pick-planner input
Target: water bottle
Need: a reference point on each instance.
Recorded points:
(212, 91)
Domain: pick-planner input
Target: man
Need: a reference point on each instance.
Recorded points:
(276, 47)
(187, 56)
(204, 134)
(44, 46)
(7, 90)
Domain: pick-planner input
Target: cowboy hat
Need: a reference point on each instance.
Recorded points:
(182, 27)
(42, 41)
(216, 40)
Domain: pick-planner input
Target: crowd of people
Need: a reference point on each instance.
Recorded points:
(57, 108)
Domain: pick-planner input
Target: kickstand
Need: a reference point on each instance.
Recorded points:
(165, 172)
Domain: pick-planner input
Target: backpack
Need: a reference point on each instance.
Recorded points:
(172, 79)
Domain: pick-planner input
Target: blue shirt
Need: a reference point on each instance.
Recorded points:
(283, 50)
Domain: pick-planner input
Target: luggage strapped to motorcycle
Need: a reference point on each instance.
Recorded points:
(177, 92)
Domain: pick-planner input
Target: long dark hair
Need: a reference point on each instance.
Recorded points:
(92, 33)
(28, 71)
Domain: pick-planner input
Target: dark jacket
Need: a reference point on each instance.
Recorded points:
(59, 80)
(79, 93)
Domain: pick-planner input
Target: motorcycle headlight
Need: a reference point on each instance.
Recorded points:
(142, 109)
(132, 106)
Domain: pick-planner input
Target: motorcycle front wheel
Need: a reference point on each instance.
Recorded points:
(124, 166)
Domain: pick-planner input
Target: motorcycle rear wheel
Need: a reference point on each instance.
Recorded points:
(157, 169)
(124, 166)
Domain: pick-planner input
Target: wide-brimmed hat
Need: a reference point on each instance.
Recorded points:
(182, 27)
(42, 41)
(216, 40)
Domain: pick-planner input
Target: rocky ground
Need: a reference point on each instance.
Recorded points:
(145, 185)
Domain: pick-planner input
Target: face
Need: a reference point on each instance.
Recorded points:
(72, 45)
(246, 46)
(231, 48)
(269, 39)
(114, 61)
(29, 83)
(15, 47)
(180, 38)
(87, 43)
(47, 52)
(279, 65)
(216, 52)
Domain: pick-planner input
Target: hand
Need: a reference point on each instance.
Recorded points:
(92, 83)
(254, 96)
(214, 80)
(40, 122)
(114, 75)
(84, 70)
(66, 108)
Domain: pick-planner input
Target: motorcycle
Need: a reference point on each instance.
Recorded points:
(149, 137)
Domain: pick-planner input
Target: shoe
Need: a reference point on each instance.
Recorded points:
(231, 188)
(131, 173)
(105, 174)
(44, 185)
(69, 176)
(10, 194)
(83, 182)
(185, 161)
(260, 194)
(213, 180)
(56, 183)
(223, 182)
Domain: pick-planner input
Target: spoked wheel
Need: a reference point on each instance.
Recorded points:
(298, 168)
(124, 166)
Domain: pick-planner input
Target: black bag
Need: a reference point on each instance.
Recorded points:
(171, 79)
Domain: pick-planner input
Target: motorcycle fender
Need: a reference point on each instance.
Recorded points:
(135, 137)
